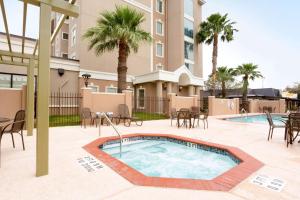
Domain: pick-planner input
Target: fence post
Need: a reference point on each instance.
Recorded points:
(87, 98)
(128, 99)
(211, 101)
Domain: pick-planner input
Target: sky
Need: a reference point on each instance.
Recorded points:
(268, 36)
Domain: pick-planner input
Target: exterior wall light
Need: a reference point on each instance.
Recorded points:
(86, 78)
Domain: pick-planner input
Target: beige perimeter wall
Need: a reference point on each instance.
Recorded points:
(12, 100)
(179, 102)
(105, 102)
(223, 106)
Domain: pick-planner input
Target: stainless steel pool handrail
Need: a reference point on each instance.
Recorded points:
(243, 111)
(116, 130)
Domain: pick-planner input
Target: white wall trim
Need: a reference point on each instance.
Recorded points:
(168, 76)
(65, 64)
(139, 5)
(104, 75)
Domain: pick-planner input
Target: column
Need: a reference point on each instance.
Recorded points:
(159, 101)
(30, 98)
(191, 90)
(43, 87)
(169, 87)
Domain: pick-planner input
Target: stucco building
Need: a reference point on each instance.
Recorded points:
(172, 63)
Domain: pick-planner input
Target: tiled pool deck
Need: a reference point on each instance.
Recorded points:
(68, 180)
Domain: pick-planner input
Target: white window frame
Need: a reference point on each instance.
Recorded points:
(63, 53)
(93, 87)
(162, 49)
(111, 87)
(189, 40)
(62, 35)
(138, 97)
(73, 42)
(163, 7)
(162, 27)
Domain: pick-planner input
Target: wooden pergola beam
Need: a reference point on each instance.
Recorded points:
(60, 24)
(58, 6)
(17, 55)
(8, 62)
(6, 26)
(24, 26)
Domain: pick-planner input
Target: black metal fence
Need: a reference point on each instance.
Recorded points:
(203, 104)
(64, 109)
(151, 108)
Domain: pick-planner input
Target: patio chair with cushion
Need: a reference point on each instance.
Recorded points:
(16, 126)
(293, 127)
(86, 114)
(185, 115)
(124, 115)
(273, 126)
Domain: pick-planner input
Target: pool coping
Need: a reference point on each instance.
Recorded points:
(223, 182)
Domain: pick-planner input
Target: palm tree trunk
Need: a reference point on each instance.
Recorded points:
(214, 63)
(245, 92)
(122, 67)
(223, 89)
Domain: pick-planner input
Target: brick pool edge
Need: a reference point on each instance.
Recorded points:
(224, 182)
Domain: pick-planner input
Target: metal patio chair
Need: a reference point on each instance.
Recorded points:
(293, 124)
(86, 114)
(185, 115)
(273, 126)
(124, 115)
(173, 115)
(16, 126)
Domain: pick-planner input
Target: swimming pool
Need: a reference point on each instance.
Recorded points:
(261, 119)
(166, 158)
(162, 160)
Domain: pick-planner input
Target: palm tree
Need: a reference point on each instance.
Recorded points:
(119, 29)
(225, 75)
(247, 71)
(210, 30)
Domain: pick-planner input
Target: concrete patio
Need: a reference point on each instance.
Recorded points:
(67, 179)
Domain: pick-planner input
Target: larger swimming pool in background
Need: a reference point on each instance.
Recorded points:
(261, 119)
(169, 159)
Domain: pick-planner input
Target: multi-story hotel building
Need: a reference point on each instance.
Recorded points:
(172, 63)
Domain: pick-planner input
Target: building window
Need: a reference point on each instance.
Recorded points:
(190, 66)
(5, 81)
(95, 88)
(189, 8)
(12, 80)
(159, 49)
(160, 6)
(188, 28)
(18, 81)
(141, 98)
(111, 89)
(159, 28)
(65, 36)
(64, 55)
(188, 50)
(73, 42)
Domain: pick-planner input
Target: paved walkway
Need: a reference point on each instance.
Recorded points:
(68, 180)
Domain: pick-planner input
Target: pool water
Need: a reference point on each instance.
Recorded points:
(262, 119)
(171, 160)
